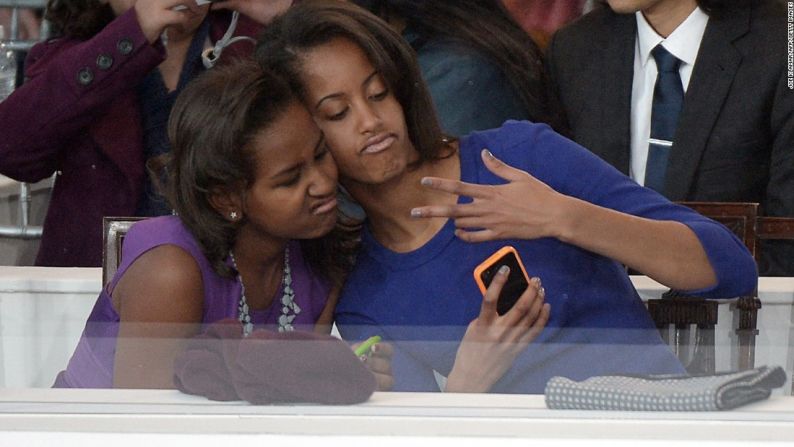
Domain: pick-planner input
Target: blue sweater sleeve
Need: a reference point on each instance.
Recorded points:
(573, 170)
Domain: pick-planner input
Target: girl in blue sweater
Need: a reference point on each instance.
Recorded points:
(437, 207)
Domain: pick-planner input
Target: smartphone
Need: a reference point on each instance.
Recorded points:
(517, 280)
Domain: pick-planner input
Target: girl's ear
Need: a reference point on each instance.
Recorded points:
(227, 202)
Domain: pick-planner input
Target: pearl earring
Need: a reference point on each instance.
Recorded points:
(233, 215)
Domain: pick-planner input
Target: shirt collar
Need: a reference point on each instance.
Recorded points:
(679, 43)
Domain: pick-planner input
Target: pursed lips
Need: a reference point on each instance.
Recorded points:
(325, 206)
(378, 143)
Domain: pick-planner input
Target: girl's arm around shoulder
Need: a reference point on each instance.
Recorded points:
(160, 302)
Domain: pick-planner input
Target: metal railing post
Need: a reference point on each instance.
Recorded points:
(24, 230)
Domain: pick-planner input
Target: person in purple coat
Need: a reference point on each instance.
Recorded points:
(94, 108)
(256, 237)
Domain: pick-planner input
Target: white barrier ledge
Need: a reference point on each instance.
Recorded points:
(117, 415)
(55, 280)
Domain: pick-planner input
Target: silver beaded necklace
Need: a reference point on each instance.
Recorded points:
(289, 308)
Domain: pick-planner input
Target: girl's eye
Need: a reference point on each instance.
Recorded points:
(338, 116)
(380, 95)
(291, 182)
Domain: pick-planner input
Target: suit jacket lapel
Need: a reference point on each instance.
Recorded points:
(715, 67)
(617, 73)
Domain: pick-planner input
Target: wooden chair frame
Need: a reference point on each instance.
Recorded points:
(682, 312)
(114, 229)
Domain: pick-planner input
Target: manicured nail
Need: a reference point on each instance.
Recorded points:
(416, 212)
(426, 181)
(542, 291)
(488, 154)
(374, 349)
(536, 281)
(363, 357)
(504, 270)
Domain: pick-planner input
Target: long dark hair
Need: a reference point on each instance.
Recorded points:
(212, 124)
(80, 19)
(312, 23)
(487, 27)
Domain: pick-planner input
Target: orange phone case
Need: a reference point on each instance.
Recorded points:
(494, 258)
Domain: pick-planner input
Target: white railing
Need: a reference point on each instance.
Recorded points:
(13, 41)
(23, 230)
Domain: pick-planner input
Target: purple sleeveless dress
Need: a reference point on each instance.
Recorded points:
(91, 365)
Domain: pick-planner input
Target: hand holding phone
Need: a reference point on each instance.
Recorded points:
(517, 281)
(494, 339)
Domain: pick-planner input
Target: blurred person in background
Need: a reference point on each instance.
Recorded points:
(95, 105)
(541, 18)
(481, 67)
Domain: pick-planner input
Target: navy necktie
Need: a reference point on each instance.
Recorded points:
(668, 97)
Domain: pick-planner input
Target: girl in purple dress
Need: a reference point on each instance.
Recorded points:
(256, 237)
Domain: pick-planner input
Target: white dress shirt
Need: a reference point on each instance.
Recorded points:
(682, 43)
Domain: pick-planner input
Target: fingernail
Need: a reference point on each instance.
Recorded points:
(363, 357)
(542, 291)
(504, 270)
(374, 349)
(416, 212)
(488, 154)
(535, 280)
(426, 181)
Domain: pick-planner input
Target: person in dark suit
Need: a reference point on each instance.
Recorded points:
(733, 139)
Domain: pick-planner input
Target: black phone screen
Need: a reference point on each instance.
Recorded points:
(516, 282)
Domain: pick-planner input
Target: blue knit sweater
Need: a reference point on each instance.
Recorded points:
(423, 300)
